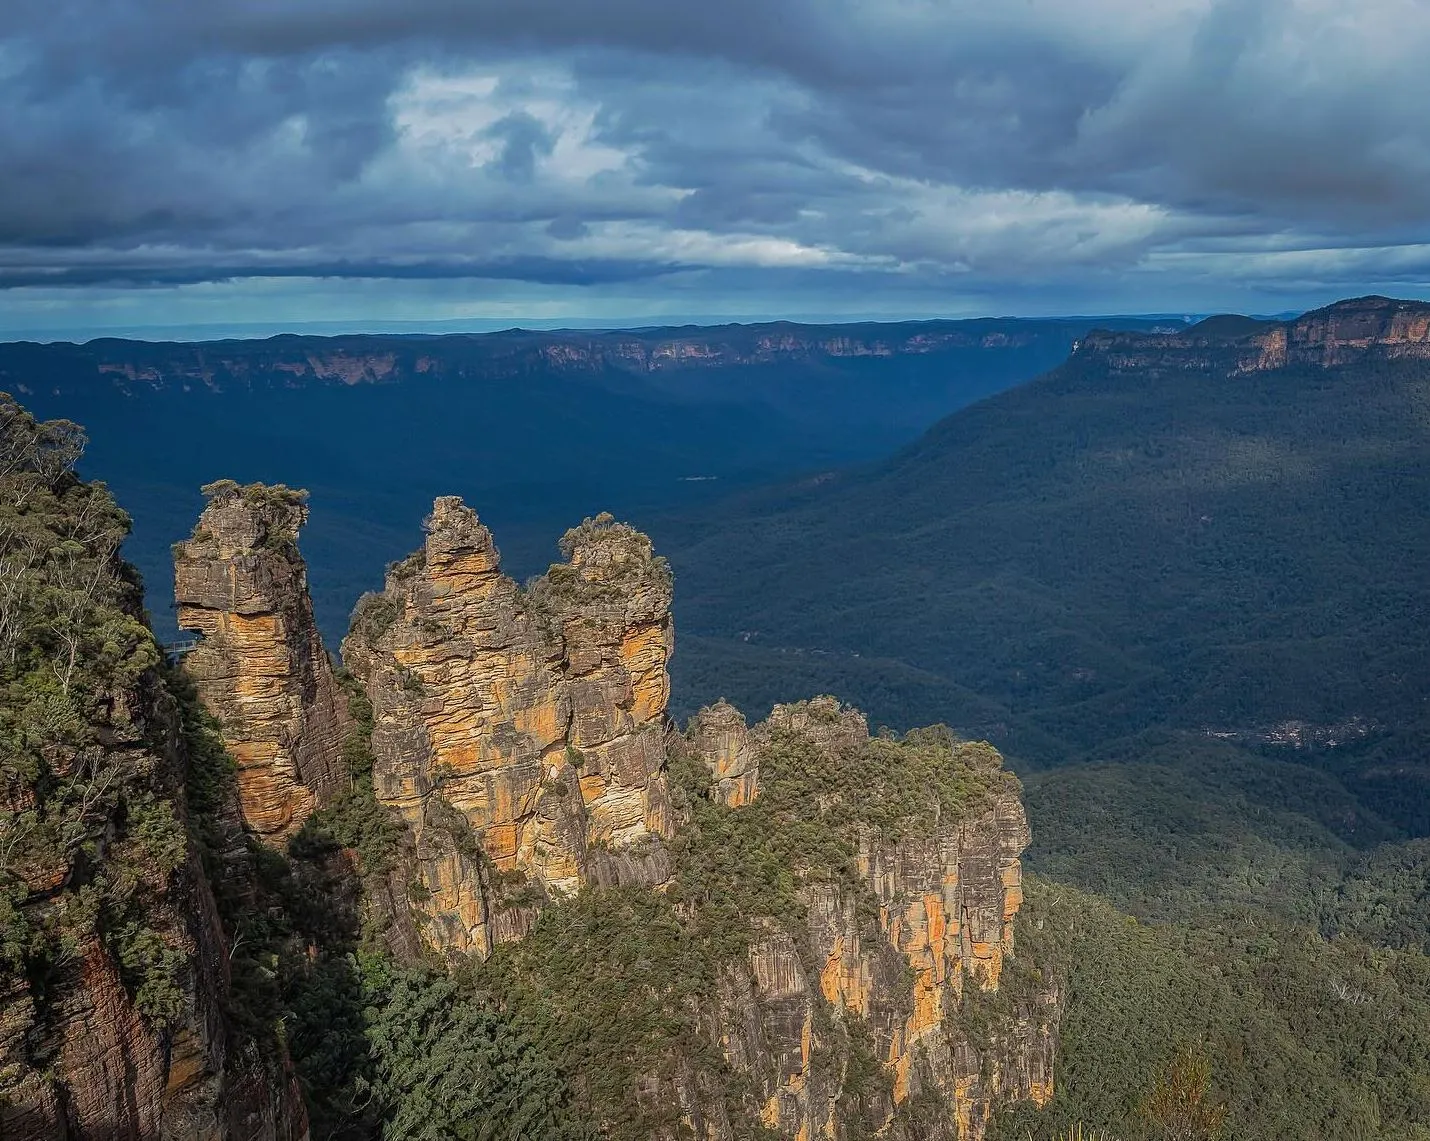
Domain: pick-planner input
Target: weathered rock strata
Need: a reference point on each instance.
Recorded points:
(260, 666)
(519, 734)
(945, 908)
(79, 1061)
(521, 737)
(723, 741)
(1365, 328)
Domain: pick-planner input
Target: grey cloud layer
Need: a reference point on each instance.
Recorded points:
(953, 144)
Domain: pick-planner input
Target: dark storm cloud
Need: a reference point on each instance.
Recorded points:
(538, 270)
(941, 143)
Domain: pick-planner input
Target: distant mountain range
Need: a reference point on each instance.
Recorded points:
(533, 428)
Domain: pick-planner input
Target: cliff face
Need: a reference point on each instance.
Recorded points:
(1343, 333)
(521, 738)
(722, 739)
(791, 1016)
(518, 734)
(114, 972)
(293, 361)
(260, 666)
(80, 1061)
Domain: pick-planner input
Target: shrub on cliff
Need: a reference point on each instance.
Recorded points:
(89, 835)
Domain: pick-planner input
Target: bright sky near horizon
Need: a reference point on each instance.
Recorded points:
(272, 163)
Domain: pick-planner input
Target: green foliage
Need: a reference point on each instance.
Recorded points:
(89, 816)
(256, 494)
(1187, 826)
(154, 969)
(209, 779)
(373, 616)
(606, 982)
(448, 1066)
(1296, 1035)
(353, 818)
(1385, 897)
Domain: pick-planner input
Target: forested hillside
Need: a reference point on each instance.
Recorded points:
(1195, 566)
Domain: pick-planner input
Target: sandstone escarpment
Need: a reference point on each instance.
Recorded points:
(114, 970)
(518, 734)
(260, 666)
(885, 969)
(1365, 328)
(292, 362)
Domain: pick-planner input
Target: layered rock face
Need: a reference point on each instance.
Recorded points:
(91, 1067)
(114, 973)
(1343, 333)
(228, 366)
(521, 737)
(944, 904)
(260, 666)
(519, 734)
(722, 739)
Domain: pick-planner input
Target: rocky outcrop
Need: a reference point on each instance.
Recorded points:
(888, 968)
(518, 734)
(259, 665)
(722, 740)
(1350, 330)
(90, 1067)
(120, 1033)
(114, 969)
(1360, 329)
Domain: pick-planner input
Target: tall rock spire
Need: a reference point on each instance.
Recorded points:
(260, 666)
(519, 734)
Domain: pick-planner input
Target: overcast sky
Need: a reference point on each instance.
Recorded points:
(174, 162)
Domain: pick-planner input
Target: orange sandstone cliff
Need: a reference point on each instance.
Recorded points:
(1362, 329)
(259, 665)
(519, 734)
(945, 903)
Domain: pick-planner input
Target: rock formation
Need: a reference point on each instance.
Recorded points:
(722, 740)
(945, 907)
(260, 666)
(519, 734)
(1364, 328)
(114, 968)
